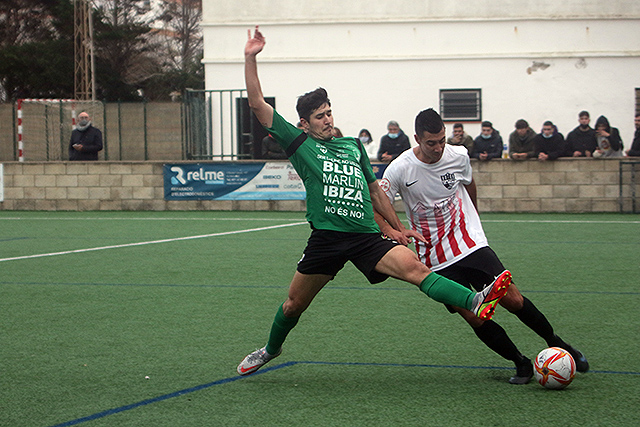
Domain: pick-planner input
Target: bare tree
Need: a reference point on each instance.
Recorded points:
(181, 33)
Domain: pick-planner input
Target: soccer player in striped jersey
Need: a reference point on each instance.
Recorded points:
(437, 188)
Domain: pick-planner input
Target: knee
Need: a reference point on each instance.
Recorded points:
(293, 308)
(473, 320)
(512, 301)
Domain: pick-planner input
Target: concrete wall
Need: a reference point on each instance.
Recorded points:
(565, 185)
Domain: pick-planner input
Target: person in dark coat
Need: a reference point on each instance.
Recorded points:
(634, 151)
(488, 145)
(550, 143)
(394, 143)
(86, 140)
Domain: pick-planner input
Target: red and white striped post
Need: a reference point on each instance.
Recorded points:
(20, 137)
(20, 144)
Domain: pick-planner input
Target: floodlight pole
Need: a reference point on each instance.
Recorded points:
(84, 81)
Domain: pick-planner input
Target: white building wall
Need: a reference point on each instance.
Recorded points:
(388, 60)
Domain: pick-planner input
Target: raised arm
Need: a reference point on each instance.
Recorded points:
(262, 110)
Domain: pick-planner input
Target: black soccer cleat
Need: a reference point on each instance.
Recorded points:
(582, 365)
(524, 372)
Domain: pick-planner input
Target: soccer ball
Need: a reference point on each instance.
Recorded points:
(555, 368)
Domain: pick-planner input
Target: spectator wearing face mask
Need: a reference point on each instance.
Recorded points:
(487, 145)
(609, 141)
(86, 140)
(549, 143)
(369, 145)
(394, 143)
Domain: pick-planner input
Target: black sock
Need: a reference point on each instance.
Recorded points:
(534, 319)
(496, 338)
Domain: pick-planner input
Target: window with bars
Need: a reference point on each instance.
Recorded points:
(638, 100)
(461, 105)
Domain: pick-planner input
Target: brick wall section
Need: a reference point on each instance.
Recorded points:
(565, 185)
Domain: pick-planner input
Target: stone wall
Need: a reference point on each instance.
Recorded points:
(565, 185)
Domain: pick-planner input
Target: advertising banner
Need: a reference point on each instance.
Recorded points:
(242, 181)
(236, 181)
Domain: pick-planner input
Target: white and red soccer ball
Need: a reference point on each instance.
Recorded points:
(554, 368)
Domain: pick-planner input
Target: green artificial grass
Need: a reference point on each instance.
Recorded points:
(129, 328)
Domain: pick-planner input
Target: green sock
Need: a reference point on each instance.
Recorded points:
(279, 330)
(447, 291)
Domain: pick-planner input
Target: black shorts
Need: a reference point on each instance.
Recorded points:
(328, 251)
(475, 271)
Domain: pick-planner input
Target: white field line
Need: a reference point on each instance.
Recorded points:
(152, 242)
(505, 221)
(137, 219)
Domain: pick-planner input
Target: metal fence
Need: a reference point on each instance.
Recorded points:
(131, 131)
(219, 125)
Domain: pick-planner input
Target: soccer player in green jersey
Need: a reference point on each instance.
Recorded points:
(341, 193)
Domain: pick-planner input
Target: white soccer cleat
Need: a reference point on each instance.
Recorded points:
(485, 301)
(256, 360)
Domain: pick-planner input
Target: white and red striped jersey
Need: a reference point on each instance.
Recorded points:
(437, 204)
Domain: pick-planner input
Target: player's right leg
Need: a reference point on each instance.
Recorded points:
(302, 290)
(496, 338)
(402, 263)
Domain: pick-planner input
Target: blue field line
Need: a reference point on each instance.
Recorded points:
(285, 365)
(285, 284)
(167, 396)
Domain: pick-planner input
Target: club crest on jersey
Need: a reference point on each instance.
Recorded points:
(448, 180)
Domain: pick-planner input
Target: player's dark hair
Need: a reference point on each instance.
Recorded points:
(548, 123)
(583, 113)
(311, 101)
(487, 124)
(458, 126)
(522, 124)
(428, 121)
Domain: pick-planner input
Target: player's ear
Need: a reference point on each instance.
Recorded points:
(416, 138)
(304, 123)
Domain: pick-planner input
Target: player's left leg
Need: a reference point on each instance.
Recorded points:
(531, 316)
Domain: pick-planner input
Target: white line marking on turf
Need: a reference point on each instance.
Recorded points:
(553, 221)
(139, 219)
(506, 221)
(176, 239)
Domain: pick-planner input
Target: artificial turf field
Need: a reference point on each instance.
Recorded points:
(133, 334)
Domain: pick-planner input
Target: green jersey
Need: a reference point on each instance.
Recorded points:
(336, 175)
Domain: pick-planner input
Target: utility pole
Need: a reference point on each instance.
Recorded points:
(84, 81)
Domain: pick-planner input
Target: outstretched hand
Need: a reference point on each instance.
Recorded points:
(405, 236)
(254, 44)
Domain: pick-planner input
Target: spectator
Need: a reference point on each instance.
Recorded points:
(460, 137)
(609, 141)
(86, 140)
(367, 142)
(521, 146)
(271, 149)
(581, 141)
(487, 145)
(393, 143)
(550, 143)
(635, 145)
